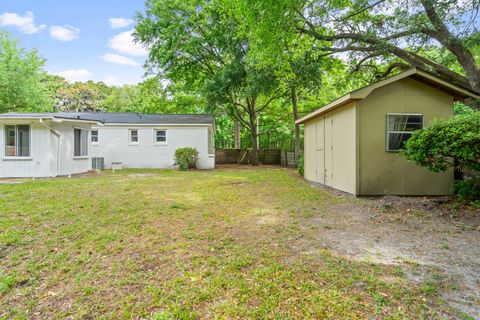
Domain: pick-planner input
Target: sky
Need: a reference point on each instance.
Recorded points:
(81, 40)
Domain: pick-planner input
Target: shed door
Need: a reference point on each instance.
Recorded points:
(328, 150)
(320, 152)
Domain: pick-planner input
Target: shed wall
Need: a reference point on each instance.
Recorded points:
(330, 149)
(388, 173)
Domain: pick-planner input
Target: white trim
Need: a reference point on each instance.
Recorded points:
(123, 124)
(30, 144)
(160, 143)
(54, 119)
(332, 105)
(129, 137)
(5, 158)
(91, 136)
(59, 136)
(387, 131)
(87, 143)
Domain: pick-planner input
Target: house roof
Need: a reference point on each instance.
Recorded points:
(459, 93)
(117, 117)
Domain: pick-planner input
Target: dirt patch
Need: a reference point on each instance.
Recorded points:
(141, 175)
(12, 181)
(427, 236)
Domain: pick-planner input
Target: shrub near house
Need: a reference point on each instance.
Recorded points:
(186, 158)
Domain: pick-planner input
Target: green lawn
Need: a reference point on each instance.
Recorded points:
(185, 245)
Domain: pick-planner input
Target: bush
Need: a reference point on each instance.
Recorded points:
(301, 165)
(468, 190)
(437, 145)
(186, 158)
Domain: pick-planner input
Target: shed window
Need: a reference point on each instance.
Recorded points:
(400, 127)
(133, 136)
(94, 136)
(80, 146)
(160, 136)
(17, 141)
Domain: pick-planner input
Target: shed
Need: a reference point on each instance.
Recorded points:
(352, 143)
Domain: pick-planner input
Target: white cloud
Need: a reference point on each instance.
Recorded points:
(64, 33)
(117, 23)
(123, 43)
(119, 59)
(74, 75)
(25, 23)
(112, 81)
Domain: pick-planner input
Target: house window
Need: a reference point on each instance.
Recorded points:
(95, 136)
(17, 141)
(133, 136)
(80, 146)
(160, 136)
(400, 127)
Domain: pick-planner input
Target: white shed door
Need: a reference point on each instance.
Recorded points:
(328, 150)
(320, 152)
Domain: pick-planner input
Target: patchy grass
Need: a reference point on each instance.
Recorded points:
(184, 245)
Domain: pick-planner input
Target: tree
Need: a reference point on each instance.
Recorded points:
(197, 43)
(82, 96)
(300, 73)
(21, 76)
(393, 33)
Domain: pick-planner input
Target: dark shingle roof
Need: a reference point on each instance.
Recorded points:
(120, 117)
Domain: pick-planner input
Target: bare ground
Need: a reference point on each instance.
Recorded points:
(432, 239)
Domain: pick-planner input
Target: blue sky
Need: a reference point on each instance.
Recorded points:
(81, 40)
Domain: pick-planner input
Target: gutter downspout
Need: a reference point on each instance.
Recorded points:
(58, 135)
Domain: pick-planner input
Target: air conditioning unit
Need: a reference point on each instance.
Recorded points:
(98, 163)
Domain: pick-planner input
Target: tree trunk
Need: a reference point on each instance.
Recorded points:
(252, 117)
(254, 156)
(236, 134)
(453, 44)
(297, 126)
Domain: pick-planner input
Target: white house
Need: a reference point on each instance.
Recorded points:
(52, 144)
(134, 140)
(43, 145)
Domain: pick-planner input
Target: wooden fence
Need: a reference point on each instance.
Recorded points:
(231, 156)
(287, 159)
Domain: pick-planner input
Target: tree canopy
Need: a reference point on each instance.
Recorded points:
(21, 77)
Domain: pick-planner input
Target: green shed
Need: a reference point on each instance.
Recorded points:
(352, 143)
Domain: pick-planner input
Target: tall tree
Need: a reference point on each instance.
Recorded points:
(196, 42)
(21, 75)
(82, 96)
(394, 32)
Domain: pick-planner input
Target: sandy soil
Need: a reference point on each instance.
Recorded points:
(428, 236)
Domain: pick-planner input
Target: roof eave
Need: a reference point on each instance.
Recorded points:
(461, 92)
(332, 105)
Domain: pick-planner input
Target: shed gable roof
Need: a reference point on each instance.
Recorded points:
(458, 92)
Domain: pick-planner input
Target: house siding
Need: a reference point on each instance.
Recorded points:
(114, 145)
(68, 163)
(39, 164)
